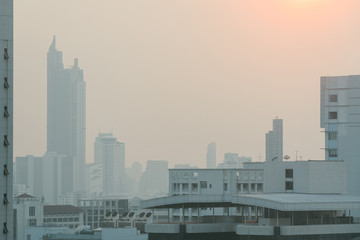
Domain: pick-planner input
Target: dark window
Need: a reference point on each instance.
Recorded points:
(259, 187)
(31, 211)
(289, 186)
(333, 98)
(289, 173)
(332, 135)
(32, 222)
(333, 115)
(333, 152)
(210, 186)
(225, 186)
(245, 187)
(203, 184)
(194, 186)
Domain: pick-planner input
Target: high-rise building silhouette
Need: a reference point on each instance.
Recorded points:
(66, 112)
(340, 117)
(211, 155)
(111, 154)
(274, 141)
(6, 121)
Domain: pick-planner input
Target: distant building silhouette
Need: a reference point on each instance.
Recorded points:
(111, 154)
(66, 112)
(232, 160)
(211, 155)
(154, 180)
(274, 142)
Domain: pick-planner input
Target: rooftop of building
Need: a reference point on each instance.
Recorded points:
(61, 209)
(24, 195)
(277, 201)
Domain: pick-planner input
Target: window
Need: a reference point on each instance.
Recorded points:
(195, 174)
(333, 115)
(332, 135)
(210, 186)
(245, 187)
(32, 222)
(225, 186)
(333, 98)
(194, 186)
(185, 187)
(289, 186)
(333, 152)
(203, 184)
(253, 187)
(31, 211)
(289, 173)
(260, 187)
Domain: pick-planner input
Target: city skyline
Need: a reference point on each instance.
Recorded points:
(214, 73)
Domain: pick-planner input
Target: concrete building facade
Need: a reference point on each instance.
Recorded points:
(6, 121)
(340, 117)
(28, 212)
(264, 201)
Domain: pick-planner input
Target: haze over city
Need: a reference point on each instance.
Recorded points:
(169, 77)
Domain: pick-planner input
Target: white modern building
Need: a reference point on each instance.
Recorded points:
(28, 212)
(340, 117)
(232, 160)
(66, 112)
(265, 200)
(274, 141)
(6, 122)
(111, 154)
(211, 155)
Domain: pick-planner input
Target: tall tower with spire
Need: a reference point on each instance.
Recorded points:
(66, 112)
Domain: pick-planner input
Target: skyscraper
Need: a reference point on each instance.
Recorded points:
(274, 141)
(211, 155)
(6, 121)
(111, 154)
(340, 116)
(66, 112)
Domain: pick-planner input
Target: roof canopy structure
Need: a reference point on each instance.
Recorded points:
(277, 201)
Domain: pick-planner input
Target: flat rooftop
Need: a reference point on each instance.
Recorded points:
(277, 201)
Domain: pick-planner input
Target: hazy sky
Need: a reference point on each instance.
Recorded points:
(168, 77)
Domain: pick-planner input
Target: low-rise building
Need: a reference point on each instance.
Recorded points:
(264, 200)
(95, 209)
(63, 216)
(28, 212)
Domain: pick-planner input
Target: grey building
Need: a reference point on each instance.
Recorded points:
(340, 117)
(66, 112)
(274, 141)
(63, 216)
(97, 208)
(6, 121)
(211, 155)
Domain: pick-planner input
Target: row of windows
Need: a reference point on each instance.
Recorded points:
(61, 219)
(254, 187)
